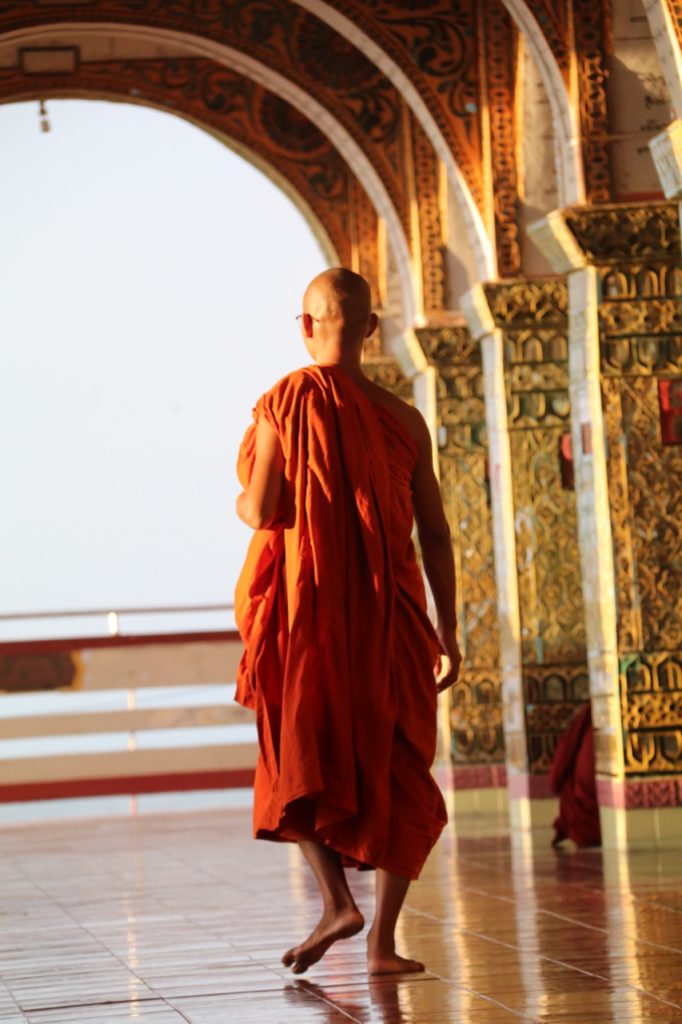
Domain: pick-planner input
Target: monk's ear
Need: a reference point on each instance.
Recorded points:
(307, 322)
(372, 325)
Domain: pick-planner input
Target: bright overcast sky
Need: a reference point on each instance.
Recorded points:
(150, 279)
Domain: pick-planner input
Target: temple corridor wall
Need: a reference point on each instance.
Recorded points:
(507, 175)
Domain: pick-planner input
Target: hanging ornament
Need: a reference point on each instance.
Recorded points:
(44, 122)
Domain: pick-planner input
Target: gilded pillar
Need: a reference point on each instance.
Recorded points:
(447, 391)
(489, 337)
(625, 309)
(475, 703)
(525, 348)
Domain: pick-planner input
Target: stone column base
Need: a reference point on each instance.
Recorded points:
(479, 789)
(531, 802)
(640, 813)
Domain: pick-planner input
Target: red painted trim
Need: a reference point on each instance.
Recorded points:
(479, 776)
(611, 793)
(517, 784)
(529, 787)
(61, 789)
(640, 794)
(90, 642)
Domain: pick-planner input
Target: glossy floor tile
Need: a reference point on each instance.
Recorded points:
(183, 917)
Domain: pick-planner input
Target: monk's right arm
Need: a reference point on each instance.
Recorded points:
(436, 548)
(257, 506)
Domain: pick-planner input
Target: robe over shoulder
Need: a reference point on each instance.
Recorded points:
(338, 650)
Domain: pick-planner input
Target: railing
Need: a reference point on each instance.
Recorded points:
(112, 616)
(122, 713)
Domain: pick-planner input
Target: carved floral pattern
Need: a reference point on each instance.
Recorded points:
(501, 54)
(476, 702)
(551, 16)
(627, 232)
(282, 36)
(434, 42)
(426, 187)
(640, 344)
(553, 695)
(364, 246)
(592, 30)
(655, 502)
(653, 793)
(533, 319)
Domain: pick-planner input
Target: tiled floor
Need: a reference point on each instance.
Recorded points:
(182, 917)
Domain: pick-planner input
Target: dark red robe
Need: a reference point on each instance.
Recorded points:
(572, 778)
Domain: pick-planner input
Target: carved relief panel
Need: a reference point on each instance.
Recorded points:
(641, 346)
(640, 323)
(533, 318)
(476, 703)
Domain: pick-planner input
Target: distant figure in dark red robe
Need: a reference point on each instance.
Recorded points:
(340, 655)
(572, 778)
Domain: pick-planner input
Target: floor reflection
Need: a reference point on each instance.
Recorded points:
(183, 918)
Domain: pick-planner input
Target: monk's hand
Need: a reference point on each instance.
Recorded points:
(450, 659)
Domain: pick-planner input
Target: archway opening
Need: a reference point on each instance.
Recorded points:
(151, 278)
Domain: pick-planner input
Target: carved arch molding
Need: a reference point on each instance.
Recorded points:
(453, 93)
(239, 110)
(243, 112)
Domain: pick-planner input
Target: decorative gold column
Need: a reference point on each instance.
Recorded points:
(475, 710)
(489, 337)
(625, 308)
(546, 682)
(449, 391)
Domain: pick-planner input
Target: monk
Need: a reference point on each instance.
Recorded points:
(340, 659)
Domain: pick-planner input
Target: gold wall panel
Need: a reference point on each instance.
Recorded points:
(476, 702)
(628, 232)
(655, 501)
(386, 372)
(533, 318)
(553, 693)
(548, 566)
(476, 718)
(640, 321)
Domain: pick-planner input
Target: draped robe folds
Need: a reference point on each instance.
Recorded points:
(338, 650)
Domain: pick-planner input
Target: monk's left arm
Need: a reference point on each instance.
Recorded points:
(257, 505)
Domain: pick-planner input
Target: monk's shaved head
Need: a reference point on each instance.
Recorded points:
(337, 317)
(339, 295)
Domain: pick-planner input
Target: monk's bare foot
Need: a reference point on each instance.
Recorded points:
(385, 960)
(391, 963)
(334, 925)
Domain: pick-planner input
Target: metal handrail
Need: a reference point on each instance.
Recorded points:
(113, 616)
(17, 616)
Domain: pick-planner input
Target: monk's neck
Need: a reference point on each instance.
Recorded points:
(349, 365)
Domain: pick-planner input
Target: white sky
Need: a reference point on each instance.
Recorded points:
(149, 282)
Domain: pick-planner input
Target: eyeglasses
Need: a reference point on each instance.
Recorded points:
(301, 315)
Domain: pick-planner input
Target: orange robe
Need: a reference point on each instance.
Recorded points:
(339, 651)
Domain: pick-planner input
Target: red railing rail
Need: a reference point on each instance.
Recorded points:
(72, 747)
(113, 617)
